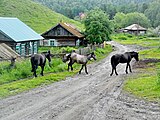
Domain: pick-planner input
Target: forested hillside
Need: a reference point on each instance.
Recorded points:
(38, 17)
(72, 8)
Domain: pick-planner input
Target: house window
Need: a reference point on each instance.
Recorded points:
(58, 31)
(35, 47)
(18, 48)
(51, 42)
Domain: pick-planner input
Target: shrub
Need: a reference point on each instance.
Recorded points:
(122, 37)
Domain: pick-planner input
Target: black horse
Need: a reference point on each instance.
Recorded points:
(80, 59)
(40, 60)
(123, 58)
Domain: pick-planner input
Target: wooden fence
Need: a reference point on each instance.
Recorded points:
(81, 51)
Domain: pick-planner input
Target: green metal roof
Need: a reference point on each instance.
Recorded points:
(17, 31)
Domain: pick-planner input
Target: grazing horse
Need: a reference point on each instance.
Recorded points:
(40, 60)
(123, 58)
(80, 59)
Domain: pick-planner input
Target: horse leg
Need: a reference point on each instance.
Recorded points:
(42, 67)
(68, 67)
(35, 67)
(112, 72)
(69, 64)
(115, 71)
(127, 68)
(130, 67)
(81, 69)
(32, 68)
(86, 69)
(71, 68)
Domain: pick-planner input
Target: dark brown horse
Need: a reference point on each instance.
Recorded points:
(40, 60)
(123, 58)
(80, 59)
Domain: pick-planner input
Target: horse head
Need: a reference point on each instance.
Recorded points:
(48, 56)
(66, 57)
(92, 55)
(135, 55)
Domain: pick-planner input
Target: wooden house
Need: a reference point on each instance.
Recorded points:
(19, 36)
(63, 34)
(135, 29)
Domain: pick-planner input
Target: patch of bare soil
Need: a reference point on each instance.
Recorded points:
(95, 96)
(144, 63)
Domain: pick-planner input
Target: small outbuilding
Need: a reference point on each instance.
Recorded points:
(135, 29)
(19, 36)
(63, 34)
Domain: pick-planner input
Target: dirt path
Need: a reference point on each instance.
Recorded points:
(96, 96)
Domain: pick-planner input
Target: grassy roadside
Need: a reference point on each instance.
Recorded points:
(12, 85)
(146, 82)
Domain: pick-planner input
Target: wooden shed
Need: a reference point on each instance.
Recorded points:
(19, 36)
(63, 34)
(6, 53)
(135, 29)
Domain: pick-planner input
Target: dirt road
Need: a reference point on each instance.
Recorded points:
(95, 96)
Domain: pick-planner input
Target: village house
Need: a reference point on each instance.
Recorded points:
(63, 34)
(19, 36)
(135, 29)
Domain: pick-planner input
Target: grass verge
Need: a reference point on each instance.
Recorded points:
(145, 84)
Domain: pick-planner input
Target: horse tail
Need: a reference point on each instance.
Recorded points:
(34, 64)
(113, 61)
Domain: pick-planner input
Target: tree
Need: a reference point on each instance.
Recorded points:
(119, 20)
(98, 26)
(122, 20)
(153, 13)
(138, 18)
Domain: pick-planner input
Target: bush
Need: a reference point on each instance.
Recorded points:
(67, 49)
(129, 35)
(122, 37)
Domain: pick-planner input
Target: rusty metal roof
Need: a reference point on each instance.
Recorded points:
(72, 29)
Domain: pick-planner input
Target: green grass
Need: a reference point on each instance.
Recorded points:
(36, 16)
(145, 85)
(150, 53)
(19, 79)
(128, 39)
(23, 85)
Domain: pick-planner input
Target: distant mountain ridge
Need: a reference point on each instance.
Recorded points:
(36, 16)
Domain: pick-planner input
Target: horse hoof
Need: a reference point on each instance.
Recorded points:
(42, 74)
